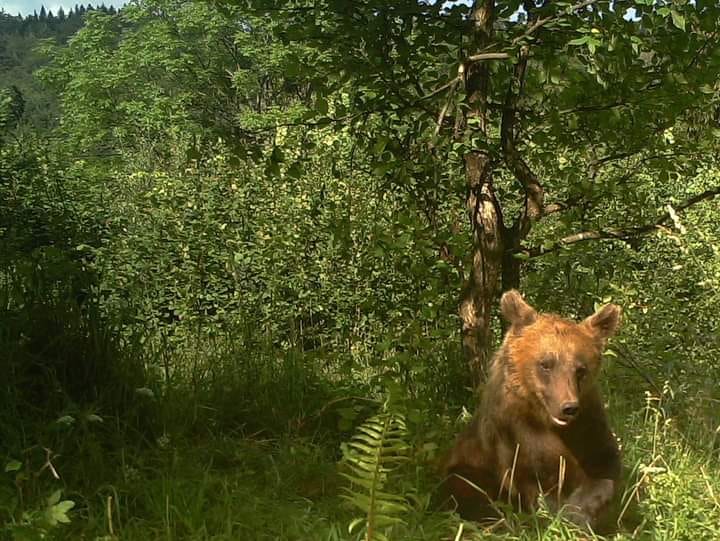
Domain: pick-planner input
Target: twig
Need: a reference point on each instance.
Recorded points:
(443, 112)
(442, 88)
(560, 206)
(621, 234)
(327, 406)
(631, 363)
(545, 20)
(480, 57)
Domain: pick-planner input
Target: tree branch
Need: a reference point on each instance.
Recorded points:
(326, 121)
(533, 189)
(560, 206)
(443, 112)
(487, 56)
(439, 90)
(534, 27)
(534, 193)
(621, 234)
(539, 23)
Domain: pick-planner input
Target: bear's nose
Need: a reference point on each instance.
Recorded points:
(570, 409)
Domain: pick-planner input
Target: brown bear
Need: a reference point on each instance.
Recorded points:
(541, 427)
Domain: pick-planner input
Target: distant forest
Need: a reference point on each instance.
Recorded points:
(19, 37)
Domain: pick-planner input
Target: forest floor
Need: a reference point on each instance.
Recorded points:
(224, 486)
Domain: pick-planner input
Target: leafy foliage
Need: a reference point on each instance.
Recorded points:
(24, 523)
(376, 450)
(222, 223)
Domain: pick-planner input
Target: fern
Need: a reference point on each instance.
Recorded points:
(377, 449)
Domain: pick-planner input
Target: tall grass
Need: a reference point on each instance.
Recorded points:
(248, 449)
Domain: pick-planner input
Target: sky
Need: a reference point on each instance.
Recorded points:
(26, 7)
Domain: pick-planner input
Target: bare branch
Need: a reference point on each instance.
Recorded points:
(612, 158)
(443, 112)
(700, 51)
(595, 108)
(626, 359)
(487, 56)
(326, 121)
(622, 234)
(689, 202)
(439, 90)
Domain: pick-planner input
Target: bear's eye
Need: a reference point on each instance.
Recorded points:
(546, 365)
(581, 372)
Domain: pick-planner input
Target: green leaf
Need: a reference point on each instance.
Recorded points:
(321, 106)
(56, 513)
(379, 146)
(13, 465)
(355, 523)
(66, 420)
(294, 171)
(371, 457)
(580, 41)
(382, 168)
(145, 391)
(277, 155)
(678, 19)
(54, 498)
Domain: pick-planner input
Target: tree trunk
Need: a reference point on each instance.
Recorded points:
(483, 285)
(510, 263)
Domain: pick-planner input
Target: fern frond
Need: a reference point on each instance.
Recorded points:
(378, 448)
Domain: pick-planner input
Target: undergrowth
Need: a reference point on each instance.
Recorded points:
(198, 478)
(225, 440)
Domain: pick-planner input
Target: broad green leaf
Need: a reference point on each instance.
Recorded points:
(678, 19)
(13, 465)
(580, 41)
(58, 513)
(54, 498)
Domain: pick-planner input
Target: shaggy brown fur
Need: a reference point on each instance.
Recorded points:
(541, 426)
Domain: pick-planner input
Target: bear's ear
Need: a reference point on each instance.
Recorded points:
(604, 322)
(515, 310)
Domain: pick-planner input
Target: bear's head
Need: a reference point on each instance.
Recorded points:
(554, 361)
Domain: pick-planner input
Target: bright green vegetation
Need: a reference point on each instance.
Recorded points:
(233, 243)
